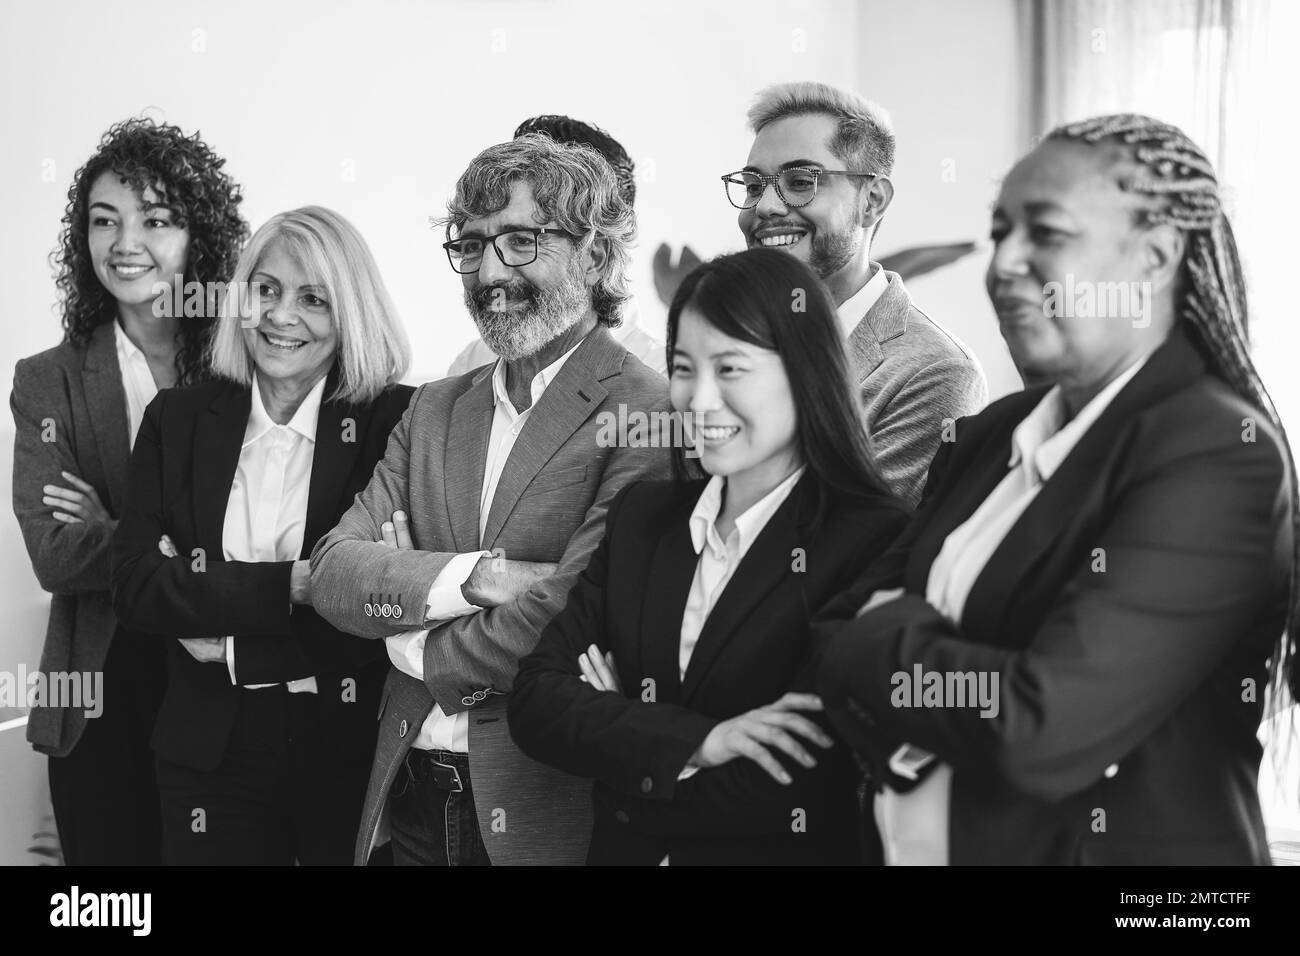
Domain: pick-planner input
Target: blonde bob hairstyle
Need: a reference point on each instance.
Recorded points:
(373, 349)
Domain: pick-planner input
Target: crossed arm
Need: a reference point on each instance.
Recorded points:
(475, 650)
(568, 710)
(67, 556)
(1192, 569)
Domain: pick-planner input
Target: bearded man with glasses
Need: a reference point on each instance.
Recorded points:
(486, 508)
(816, 186)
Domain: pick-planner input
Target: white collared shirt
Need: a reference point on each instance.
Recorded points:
(718, 561)
(137, 380)
(719, 557)
(266, 513)
(912, 825)
(1038, 446)
(406, 650)
(855, 308)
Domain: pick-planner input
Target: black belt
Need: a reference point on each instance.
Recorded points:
(448, 770)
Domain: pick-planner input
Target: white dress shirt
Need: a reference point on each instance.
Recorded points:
(406, 650)
(718, 561)
(629, 334)
(719, 558)
(137, 380)
(266, 513)
(854, 309)
(914, 826)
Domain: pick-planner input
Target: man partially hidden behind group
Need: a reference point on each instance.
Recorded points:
(486, 507)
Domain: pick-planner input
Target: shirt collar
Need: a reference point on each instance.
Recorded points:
(704, 517)
(860, 303)
(539, 384)
(126, 349)
(1044, 439)
(303, 422)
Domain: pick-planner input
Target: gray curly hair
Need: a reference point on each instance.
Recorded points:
(573, 186)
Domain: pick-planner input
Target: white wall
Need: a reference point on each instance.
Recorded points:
(375, 107)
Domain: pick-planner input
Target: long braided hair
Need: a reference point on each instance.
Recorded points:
(1184, 192)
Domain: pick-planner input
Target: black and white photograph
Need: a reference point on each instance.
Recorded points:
(539, 433)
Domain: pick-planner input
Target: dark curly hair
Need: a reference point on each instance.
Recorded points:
(566, 129)
(188, 176)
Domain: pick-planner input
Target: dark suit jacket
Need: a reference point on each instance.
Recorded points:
(1129, 614)
(630, 600)
(564, 469)
(70, 415)
(182, 468)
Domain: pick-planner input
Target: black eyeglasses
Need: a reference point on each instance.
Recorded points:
(796, 186)
(519, 248)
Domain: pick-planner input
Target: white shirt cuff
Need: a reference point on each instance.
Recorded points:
(406, 651)
(230, 659)
(445, 597)
(687, 773)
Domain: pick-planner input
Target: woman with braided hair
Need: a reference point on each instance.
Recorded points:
(1065, 657)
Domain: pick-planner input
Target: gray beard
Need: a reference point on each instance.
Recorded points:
(516, 335)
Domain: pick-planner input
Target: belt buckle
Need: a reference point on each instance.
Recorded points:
(448, 777)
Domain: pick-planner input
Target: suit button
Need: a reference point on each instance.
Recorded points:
(386, 610)
(480, 695)
(467, 701)
(370, 609)
(647, 785)
(397, 611)
(1111, 770)
(621, 816)
(401, 731)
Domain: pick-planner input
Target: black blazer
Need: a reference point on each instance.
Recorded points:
(184, 462)
(1129, 614)
(630, 600)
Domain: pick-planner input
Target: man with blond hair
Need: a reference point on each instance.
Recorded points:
(817, 185)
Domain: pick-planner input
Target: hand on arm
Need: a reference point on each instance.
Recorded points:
(496, 581)
(78, 503)
(764, 731)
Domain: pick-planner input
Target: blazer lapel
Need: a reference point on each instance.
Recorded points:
(218, 437)
(962, 495)
(465, 459)
(886, 319)
(332, 461)
(106, 404)
(1040, 527)
(663, 600)
(754, 582)
(564, 406)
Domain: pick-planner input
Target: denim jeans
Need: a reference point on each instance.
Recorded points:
(432, 826)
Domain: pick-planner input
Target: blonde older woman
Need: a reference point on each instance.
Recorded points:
(265, 736)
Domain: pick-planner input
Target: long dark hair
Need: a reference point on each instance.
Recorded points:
(770, 299)
(1179, 182)
(191, 183)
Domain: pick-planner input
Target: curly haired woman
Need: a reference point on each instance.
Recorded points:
(151, 211)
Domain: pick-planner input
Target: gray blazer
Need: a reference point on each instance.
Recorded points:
(549, 506)
(914, 375)
(70, 415)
